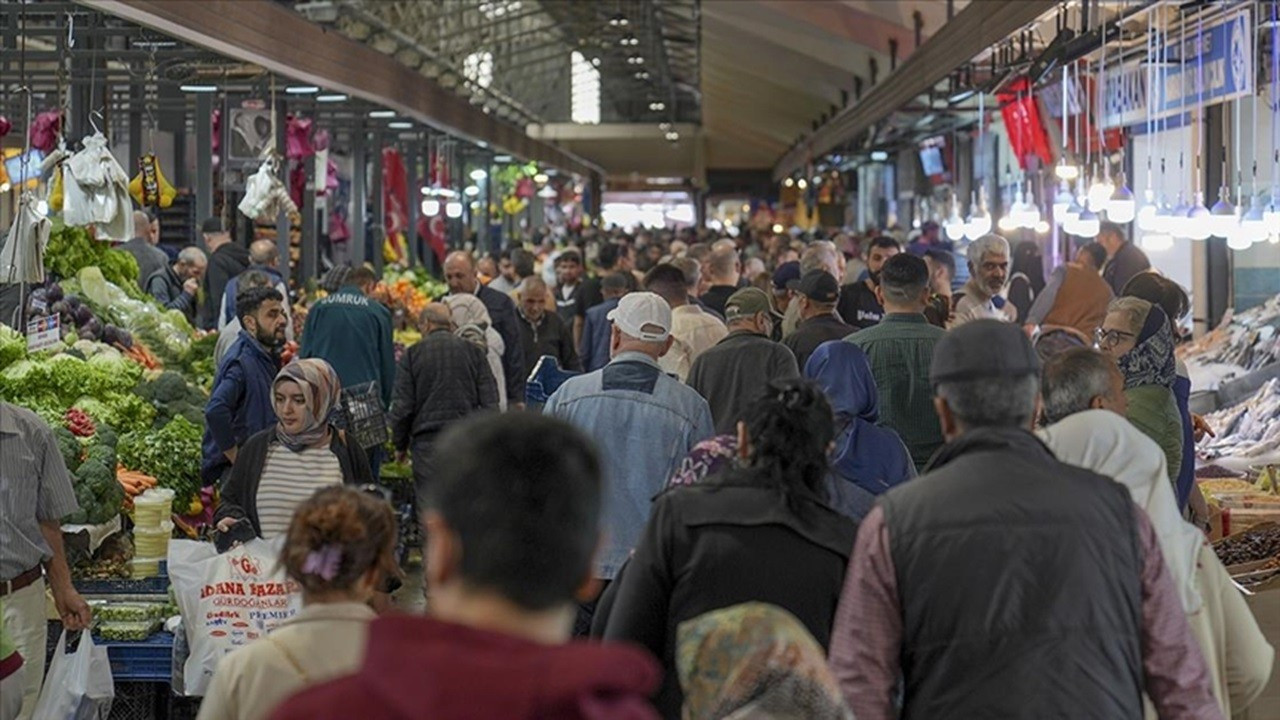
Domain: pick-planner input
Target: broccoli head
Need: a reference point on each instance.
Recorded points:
(106, 435)
(104, 454)
(95, 474)
(68, 447)
(166, 388)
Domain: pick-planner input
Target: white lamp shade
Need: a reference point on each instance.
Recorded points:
(1223, 219)
(431, 207)
(1236, 241)
(977, 225)
(1008, 224)
(1066, 171)
(1157, 242)
(1042, 228)
(1061, 202)
(1199, 223)
(1253, 224)
(453, 209)
(1147, 217)
(1100, 193)
(954, 227)
(1121, 208)
(1089, 224)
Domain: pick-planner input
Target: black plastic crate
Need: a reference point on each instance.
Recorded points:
(139, 701)
(360, 414)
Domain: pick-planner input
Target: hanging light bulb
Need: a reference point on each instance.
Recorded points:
(1029, 216)
(453, 209)
(1174, 223)
(1065, 170)
(1271, 214)
(1198, 223)
(1147, 214)
(431, 207)
(1007, 224)
(1061, 202)
(1121, 207)
(1071, 217)
(1236, 241)
(1042, 227)
(978, 224)
(954, 224)
(1253, 224)
(1089, 224)
(1100, 193)
(1222, 216)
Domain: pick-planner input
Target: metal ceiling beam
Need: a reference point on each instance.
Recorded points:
(252, 31)
(972, 30)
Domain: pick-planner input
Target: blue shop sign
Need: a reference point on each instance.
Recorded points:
(1218, 66)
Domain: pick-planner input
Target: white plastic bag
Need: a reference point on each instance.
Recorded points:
(227, 600)
(79, 687)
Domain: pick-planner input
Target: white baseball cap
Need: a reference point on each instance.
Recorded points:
(643, 316)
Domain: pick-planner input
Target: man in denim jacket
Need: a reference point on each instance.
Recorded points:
(643, 420)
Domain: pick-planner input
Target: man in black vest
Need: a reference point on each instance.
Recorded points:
(1003, 583)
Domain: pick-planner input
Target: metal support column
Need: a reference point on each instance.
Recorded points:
(308, 257)
(379, 230)
(411, 150)
(496, 243)
(137, 102)
(283, 225)
(204, 156)
(1217, 256)
(359, 196)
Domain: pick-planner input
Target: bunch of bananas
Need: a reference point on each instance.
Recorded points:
(149, 187)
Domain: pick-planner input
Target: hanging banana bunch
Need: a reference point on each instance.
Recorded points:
(149, 187)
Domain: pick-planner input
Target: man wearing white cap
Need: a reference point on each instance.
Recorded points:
(643, 421)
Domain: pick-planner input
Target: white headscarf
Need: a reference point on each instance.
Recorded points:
(472, 319)
(1106, 443)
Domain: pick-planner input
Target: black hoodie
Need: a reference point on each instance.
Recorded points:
(225, 263)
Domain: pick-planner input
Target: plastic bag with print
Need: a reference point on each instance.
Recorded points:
(228, 600)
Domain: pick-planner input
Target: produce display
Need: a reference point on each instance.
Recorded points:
(1258, 543)
(1248, 433)
(1242, 343)
(131, 611)
(171, 455)
(122, 631)
(71, 250)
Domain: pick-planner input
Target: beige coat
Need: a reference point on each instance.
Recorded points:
(323, 642)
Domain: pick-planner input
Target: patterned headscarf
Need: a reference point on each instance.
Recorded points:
(1151, 360)
(707, 458)
(321, 387)
(754, 661)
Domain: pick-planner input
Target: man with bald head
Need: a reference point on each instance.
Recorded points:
(724, 269)
(264, 257)
(460, 275)
(143, 248)
(542, 332)
(439, 381)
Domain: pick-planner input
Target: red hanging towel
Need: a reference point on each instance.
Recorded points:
(395, 199)
(45, 130)
(297, 131)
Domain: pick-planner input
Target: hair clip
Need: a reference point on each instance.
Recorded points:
(324, 562)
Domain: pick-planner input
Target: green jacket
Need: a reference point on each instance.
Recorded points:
(353, 334)
(1154, 411)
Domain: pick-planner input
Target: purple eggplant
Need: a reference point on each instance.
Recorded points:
(55, 293)
(83, 315)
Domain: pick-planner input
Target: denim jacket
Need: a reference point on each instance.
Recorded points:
(644, 422)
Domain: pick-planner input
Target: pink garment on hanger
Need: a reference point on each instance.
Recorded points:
(320, 141)
(297, 183)
(338, 230)
(297, 132)
(5, 126)
(45, 130)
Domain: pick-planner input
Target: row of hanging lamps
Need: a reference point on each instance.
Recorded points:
(1252, 225)
(954, 226)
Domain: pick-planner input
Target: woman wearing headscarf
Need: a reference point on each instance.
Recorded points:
(282, 466)
(1237, 655)
(870, 457)
(472, 323)
(1026, 277)
(1170, 297)
(1137, 334)
(754, 661)
(762, 530)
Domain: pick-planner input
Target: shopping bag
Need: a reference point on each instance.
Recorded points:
(227, 600)
(79, 686)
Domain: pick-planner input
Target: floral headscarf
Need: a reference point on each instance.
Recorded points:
(321, 387)
(1151, 360)
(754, 661)
(707, 458)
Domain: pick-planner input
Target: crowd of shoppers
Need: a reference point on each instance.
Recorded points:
(831, 479)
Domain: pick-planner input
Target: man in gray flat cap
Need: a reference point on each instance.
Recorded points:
(1003, 583)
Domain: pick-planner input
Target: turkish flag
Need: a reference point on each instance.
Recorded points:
(432, 229)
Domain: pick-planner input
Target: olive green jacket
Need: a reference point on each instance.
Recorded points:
(1154, 411)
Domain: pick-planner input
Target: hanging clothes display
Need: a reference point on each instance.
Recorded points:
(297, 132)
(22, 255)
(96, 192)
(5, 126)
(264, 196)
(45, 130)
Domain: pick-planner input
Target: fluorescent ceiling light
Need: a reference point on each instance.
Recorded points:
(502, 158)
(331, 98)
(302, 90)
(382, 113)
(879, 156)
(479, 174)
(198, 88)
(400, 125)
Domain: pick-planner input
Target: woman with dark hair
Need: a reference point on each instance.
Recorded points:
(761, 531)
(1137, 334)
(339, 546)
(1026, 277)
(283, 465)
(1170, 297)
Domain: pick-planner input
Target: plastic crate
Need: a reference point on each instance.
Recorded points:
(158, 585)
(137, 701)
(149, 661)
(360, 413)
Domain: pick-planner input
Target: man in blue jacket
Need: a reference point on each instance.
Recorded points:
(240, 404)
(594, 353)
(352, 332)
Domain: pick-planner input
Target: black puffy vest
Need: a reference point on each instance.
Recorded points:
(1019, 579)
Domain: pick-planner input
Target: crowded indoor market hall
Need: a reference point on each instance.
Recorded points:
(630, 359)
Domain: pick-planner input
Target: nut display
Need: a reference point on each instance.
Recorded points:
(1258, 543)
